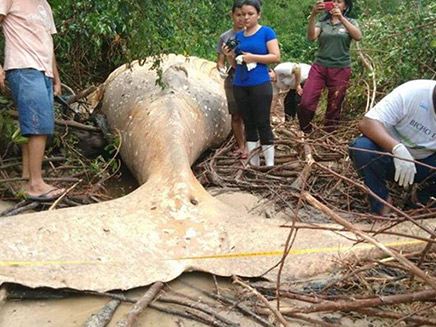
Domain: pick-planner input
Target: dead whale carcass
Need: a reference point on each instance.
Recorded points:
(168, 225)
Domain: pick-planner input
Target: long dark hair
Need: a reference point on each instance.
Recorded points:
(346, 13)
(255, 3)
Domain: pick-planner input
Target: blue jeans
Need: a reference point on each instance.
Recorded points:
(376, 169)
(33, 95)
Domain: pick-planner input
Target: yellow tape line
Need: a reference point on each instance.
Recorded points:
(218, 256)
(296, 252)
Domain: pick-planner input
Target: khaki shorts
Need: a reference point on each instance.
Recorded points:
(228, 87)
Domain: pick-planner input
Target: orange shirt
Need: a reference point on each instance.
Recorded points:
(28, 27)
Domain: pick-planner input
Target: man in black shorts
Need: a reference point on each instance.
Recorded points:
(228, 73)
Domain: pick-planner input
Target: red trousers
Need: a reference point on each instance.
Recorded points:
(320, 77)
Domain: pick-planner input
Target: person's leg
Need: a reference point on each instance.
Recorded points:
(275, 115)
(36, 148)
(260, 100)
(426, 177)
(261, 97)
(290, 105)
(242, 97)
(313, 88)
(337, 83)
(25, 161)
(238, 131)
(237, 122)
(33, 94)
(375, 169)
(298, 100)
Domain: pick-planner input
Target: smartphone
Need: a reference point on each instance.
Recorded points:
(328, 5)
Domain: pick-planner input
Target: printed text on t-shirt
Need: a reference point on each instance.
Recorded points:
(420, 127)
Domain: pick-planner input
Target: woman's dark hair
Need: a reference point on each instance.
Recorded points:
(346, 13)
(237, 4)
(255, 3)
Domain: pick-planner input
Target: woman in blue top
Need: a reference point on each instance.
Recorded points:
(258, 47)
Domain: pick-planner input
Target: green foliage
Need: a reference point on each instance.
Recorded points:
(399, 43)
(289, 20)
(93, 37)
(97, 36)
(19, 139)
(8, 126)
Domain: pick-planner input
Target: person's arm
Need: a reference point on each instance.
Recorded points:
(272, 57)
(56, 78)
(354, 31)
(312, 31)
(297, 72)
(2, 71)
(376, 131)
(405, 169)
(220, 62)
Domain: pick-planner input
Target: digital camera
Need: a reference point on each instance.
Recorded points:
(231, 44)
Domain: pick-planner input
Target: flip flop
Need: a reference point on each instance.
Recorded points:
(45, 195)
(236, 153)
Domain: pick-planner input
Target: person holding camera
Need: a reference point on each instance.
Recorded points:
(228, 73)
(402, 124)
(288, 77)
(30, 69)
(258, 47)
(332, 66)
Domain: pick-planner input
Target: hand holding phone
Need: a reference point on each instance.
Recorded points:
(328, 5)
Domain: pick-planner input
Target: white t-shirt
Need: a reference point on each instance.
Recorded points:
(285, 78)
(28, 27)
(408, 113)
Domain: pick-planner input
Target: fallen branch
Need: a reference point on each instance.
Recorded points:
(48, 179)
(129, 319)
(69, 123)
(104, 316)
(392, 253)
(276, 312)
(191, 314)
(19, 163)
(244, 309)
(53, 206)
(81, 95)
(313, 321)
(393, 315)
(351, 305)
(198, 306)
(19, 208)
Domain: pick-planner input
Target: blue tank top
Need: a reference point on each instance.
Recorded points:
(255, 44)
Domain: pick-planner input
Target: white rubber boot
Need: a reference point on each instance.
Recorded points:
(268, 153)
(255, 160)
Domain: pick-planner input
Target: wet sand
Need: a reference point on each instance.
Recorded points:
(74, 312)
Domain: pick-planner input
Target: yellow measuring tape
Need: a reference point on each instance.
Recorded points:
(296, 252)
(217, 256)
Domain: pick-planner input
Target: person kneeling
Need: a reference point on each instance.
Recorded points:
(404, 124)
